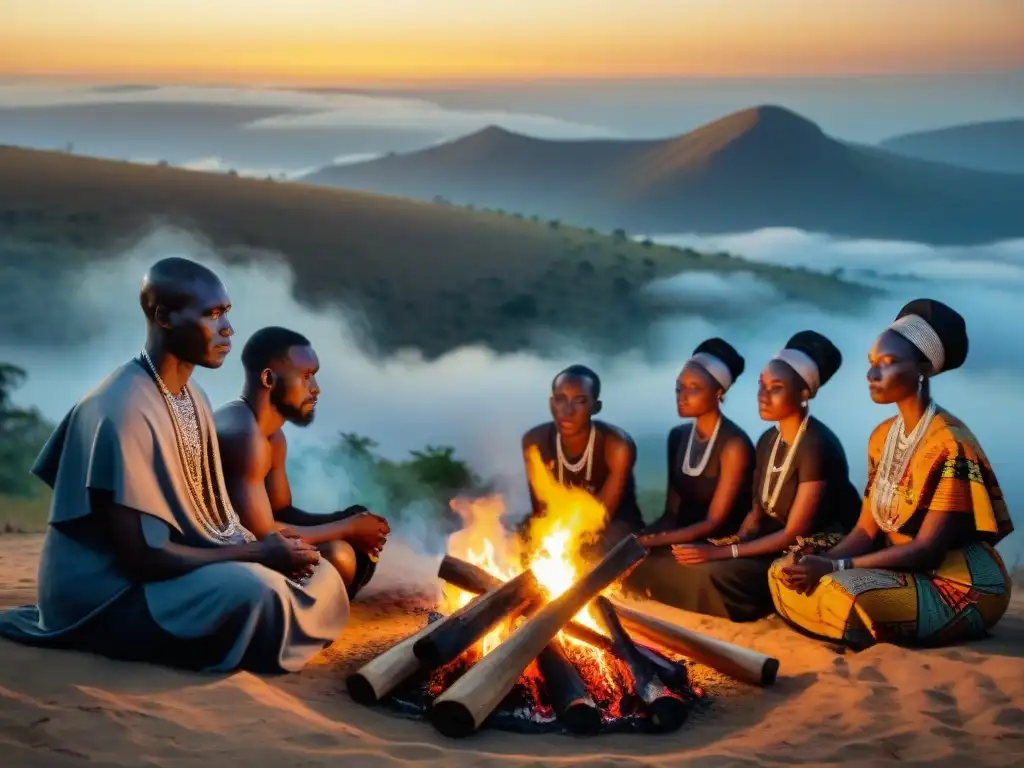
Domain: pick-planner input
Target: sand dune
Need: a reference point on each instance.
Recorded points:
(881, 706)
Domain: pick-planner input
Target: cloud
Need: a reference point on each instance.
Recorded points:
(307, 109)
(480, 402)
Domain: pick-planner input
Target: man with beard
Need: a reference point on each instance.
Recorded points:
(144, 557)
(280, 386)
(585, 453)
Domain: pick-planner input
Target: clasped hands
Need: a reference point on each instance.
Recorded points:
(800, 574)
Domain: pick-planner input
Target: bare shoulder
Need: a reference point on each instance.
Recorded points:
(616, 436)
(738, 449)
(278, 446)
(536, 435)
(243, 448)
(619, 445)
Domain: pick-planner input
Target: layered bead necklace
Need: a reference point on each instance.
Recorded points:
(688, 468)
(769, 500)
(188, 435)
(585, 460)
(899, 449)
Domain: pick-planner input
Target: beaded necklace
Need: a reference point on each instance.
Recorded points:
(188, 435)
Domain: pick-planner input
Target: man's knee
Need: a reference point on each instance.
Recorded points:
(340, 555)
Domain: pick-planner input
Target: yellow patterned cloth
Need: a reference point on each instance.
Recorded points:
(960, 600)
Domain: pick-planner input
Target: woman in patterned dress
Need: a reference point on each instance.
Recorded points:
(920, 567)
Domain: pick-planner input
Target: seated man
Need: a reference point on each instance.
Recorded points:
(144, 557)
(280, 386)
(587, 454)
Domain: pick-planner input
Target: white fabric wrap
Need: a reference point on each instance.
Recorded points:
(803, 365)
(918, 332)
(719, 371)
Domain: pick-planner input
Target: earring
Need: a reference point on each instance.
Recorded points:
(803, 403)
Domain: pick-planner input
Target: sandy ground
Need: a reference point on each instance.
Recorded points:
(885, 705)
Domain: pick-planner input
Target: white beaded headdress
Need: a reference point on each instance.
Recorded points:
(919, 332)
(718, 370)
(802, 363)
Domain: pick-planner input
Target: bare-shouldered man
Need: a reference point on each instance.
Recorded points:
(587, 453)
(280, 386)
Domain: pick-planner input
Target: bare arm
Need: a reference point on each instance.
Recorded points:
(246, 459)
(925, 553)
(144, 563)
(365, 531)
(672, 500)
(751, 523)
(278, 492)
(735, 463)
(799, 523)
(620, 456)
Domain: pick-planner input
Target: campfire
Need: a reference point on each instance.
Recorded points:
(531, 634)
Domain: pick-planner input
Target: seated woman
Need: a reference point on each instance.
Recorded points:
(932, 503)
(710, 469)
(801, 486)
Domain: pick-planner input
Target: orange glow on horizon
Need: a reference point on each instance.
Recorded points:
(321, 42)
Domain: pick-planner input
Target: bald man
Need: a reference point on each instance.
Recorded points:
(144, 557)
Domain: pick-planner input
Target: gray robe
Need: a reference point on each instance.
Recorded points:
(120, 438)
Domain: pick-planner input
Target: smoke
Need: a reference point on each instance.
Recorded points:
(481, 402)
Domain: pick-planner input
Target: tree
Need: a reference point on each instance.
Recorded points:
(11, 377)
(23, 432)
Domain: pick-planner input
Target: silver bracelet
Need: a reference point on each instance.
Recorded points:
(840, 565)
(735, 548)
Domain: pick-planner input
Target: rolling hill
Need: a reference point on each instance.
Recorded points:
(425, 275)
(991, 146)
(762, 167)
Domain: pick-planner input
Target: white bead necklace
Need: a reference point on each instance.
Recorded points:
(899, 449)
(768, 501)
(688, 468)
(228, 528)
(586, 460)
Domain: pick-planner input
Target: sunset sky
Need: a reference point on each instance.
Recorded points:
(367, 41)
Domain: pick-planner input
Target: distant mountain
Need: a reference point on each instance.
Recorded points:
(993, 146)
(432, 277)
(762, 167)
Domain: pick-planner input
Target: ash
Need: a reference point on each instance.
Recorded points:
(526, 709)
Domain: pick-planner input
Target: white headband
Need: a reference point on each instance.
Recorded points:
(718, 370)
(803, 365)
(918, 332)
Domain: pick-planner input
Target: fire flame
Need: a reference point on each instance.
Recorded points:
(572, 518)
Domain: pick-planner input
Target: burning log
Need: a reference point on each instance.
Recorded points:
(476, 580)
(732, 660)
(463, 708)
(473, 621)
(665, 711)
(568, 693)
(466, 576)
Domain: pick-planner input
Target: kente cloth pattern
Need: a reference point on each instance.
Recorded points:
(960, 600)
